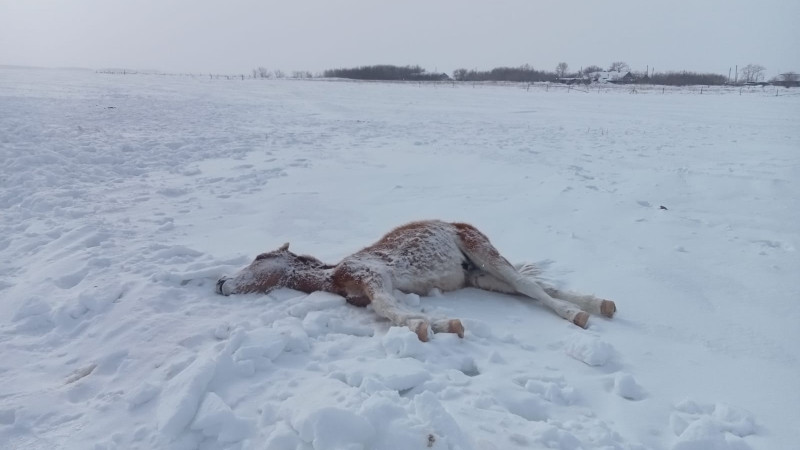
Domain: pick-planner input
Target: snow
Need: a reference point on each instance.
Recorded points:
(590, 350)
(178, 405)
(625, 386)
(402, 342)
(124, 198)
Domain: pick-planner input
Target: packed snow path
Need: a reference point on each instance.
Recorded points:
(123, 197)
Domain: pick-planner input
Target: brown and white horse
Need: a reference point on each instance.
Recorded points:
(414, 258)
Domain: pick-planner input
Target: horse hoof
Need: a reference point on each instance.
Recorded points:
(455, 326)
(581, 319)
(608, 308)
(420, 327)
(448, 326)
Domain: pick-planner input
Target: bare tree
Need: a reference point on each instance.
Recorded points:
(591, 69)
(752, 73)
(561, 69)
(263, 72)
(279, 73)
(619, 66)
(460, 74)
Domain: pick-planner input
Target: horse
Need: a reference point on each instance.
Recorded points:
(417, 257)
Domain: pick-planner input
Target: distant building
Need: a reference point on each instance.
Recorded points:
(789, 79)
(611, 77)
(574, 80)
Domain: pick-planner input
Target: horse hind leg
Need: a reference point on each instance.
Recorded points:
(486, 258)
(486, 281)
(585, 302)
(588, 303)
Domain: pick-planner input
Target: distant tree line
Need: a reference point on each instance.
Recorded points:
(525, 74)
(263, 72)
(528, 74)
(618, 72)
(386, 72)
(683, 79)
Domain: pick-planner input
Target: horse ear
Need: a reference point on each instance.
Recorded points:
(284, 247)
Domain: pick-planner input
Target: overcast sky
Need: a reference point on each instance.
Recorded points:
(234, 36)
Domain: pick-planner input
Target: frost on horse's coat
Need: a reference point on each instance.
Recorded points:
(413, 258)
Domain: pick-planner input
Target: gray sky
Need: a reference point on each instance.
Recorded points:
(234, 36)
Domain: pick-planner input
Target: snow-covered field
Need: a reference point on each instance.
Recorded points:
(122, 198)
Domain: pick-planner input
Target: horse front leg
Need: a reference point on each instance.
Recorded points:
(378, 289)
(386, 305)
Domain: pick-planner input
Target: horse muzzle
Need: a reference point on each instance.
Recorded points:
(220, 289)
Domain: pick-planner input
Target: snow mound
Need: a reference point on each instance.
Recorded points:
(710, 426)
(625, 386)
(316, 301)
(395, 423)
(216, 419)
(261, 343)
(297, 340)
(553, 389)
(451, 435)
(182, 394)
(523, 404)
(333, 428)
(321, 323)
(397, 374)
(402, 342)
(589, 349)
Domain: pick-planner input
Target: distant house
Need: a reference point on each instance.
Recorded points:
(789, 79)
(787, 83)
(573, 80)
(612, 77)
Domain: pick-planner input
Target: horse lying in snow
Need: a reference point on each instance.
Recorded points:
(414, 258)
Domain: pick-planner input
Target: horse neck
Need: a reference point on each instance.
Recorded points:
(309, 279)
